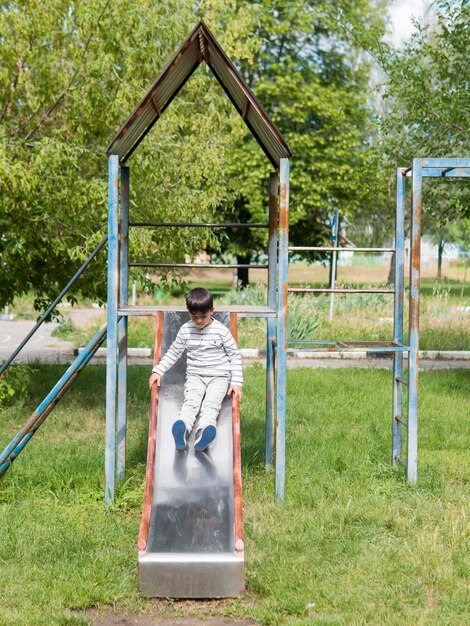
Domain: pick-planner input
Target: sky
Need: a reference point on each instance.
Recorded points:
(401, 14)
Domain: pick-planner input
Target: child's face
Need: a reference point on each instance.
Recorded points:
(201, 320)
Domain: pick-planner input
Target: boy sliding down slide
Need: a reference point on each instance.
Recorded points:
(213, 370)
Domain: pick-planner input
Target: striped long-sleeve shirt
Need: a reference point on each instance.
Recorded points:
(211, 351)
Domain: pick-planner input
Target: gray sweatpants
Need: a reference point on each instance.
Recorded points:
(204, 394)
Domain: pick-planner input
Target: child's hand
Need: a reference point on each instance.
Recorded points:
(236, 391)
(154, 378)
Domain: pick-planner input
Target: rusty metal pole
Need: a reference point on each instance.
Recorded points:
(111, 358)
(397, 402)
(123, 323)
(413, 359)
(271, 322)
(281, 378)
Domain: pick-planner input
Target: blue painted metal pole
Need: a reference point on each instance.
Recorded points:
(111, 359)
(52, 306)
(445, 162)
(455, 172)
(20, 440)
(123, 323)
(397, 402)
(271, 322)
(334, 237)
(281, 379)
(413, 360)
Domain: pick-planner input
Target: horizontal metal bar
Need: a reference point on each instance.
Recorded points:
(337, 249)
(325, 290)
(401, 380)
(443, 168)
(453, 172)
(44, 316)
(198, 265)
(445, 162)
(339, 348)
(367, 344)
(398, 418)
(240, 309)
(315, 343)
(197, 224)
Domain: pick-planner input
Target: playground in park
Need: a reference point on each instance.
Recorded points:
(309, 507)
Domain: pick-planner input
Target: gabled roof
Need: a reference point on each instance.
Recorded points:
(199, 46)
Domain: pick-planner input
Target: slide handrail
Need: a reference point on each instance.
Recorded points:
(237, 461)
(51, 307)
(19, 441)
(152, 442)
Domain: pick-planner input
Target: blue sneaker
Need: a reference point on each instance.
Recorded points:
(180, 435)
(204, 437)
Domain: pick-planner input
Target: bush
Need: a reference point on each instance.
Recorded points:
(301, 319)
(15, 380)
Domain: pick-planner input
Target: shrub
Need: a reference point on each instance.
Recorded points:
(15, 380)
(301, 319)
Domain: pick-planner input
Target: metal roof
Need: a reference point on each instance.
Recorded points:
(199, 46)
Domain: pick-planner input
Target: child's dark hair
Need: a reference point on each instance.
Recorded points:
(199, 300)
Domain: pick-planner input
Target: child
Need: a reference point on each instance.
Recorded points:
(213, 370)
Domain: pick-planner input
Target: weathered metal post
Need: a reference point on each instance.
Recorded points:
(111, 359)
(281, 379)
(413, 359)
(334, 257)
(123, 323)
(397, 398)
(271, 322)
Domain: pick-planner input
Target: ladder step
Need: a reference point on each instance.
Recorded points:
(401, 380)
(325, 290)
(401, 420)
(337, 249)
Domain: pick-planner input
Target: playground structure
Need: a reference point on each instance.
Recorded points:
(420, 168)
(191, 535)
(201, 46)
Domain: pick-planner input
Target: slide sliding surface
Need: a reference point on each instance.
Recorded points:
(191, 538)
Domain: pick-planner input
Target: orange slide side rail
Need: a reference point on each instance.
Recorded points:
(237, 461)
(152, 441)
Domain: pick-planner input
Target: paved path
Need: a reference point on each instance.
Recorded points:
(43, 346)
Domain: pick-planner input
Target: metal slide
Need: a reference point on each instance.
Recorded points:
(191, 536)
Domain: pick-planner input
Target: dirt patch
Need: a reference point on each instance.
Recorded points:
(108, 617)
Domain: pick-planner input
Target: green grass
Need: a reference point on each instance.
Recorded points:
(353, 543)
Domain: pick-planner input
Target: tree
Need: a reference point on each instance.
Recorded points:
(426, 109)
(312, 79)
(70, 74)
(423, 112)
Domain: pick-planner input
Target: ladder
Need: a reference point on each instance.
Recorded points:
(396, 345)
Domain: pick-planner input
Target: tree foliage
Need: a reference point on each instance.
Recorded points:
(312, 79)
(70, 74)
(426, 108)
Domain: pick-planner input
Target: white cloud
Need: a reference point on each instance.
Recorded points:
(401, 13)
